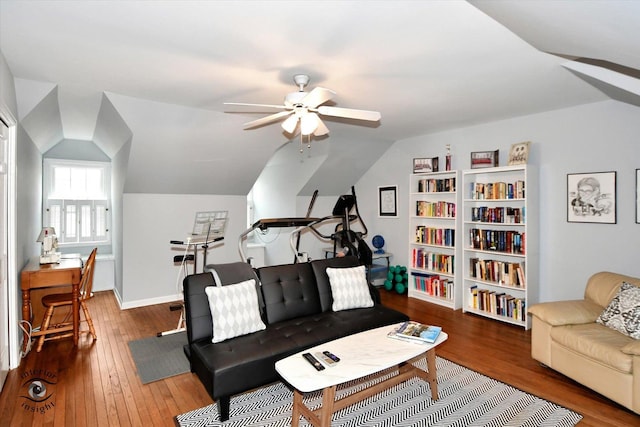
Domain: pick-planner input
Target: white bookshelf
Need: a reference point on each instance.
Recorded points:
(500, 237)
(434, 266)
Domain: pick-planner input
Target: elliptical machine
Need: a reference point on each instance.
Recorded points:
(345, 239)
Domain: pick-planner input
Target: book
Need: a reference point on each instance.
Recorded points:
(416, 332)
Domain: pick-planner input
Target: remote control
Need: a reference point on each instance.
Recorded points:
(325, 359)
(313, 361)
(331, 356)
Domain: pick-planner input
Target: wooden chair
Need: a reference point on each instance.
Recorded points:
(53, 301)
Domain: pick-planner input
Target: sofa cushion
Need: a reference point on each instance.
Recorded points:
(349, 288)
(623, 312)
(289, 291)
(596, 342)
(234, 310)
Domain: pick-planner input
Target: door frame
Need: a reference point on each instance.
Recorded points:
(11, 268)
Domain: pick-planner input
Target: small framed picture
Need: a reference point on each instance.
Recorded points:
(388, 201)
(425, 165)
(519, 153)
(591, 197)
(484, 159)
(637, 196)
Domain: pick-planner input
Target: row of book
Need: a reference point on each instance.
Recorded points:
(507, 241)
(496, 303)
(504, 215)
(433, 285)
(496, 190)
(440, 185)
(503, 273)
(432, 261)
(435, 209)
(435, 236)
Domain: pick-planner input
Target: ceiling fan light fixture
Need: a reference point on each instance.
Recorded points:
(290, 124)
(309, 123)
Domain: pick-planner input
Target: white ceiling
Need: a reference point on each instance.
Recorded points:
(167, 67)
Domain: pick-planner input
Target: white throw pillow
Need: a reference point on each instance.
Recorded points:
(349, 288)
(234, 310)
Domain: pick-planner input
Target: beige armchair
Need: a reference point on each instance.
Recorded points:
(566, 338)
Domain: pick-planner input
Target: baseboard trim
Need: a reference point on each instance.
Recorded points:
(149, 301)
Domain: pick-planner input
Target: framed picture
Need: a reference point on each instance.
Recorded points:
(388, 201)
(484, 159)
(425, 165)
(519, 153)
(637, 196)
(591, 197)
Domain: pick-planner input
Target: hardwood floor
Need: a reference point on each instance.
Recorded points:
(97, 385)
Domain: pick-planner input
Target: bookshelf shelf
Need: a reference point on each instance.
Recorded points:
(434, 238)
(500, 249)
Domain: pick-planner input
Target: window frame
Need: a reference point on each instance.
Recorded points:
(95, 205)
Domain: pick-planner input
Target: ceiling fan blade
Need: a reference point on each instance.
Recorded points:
(290, 124)
(322, 129)
(317, 96)
(350, 113)
(267, 120)
(244, 104)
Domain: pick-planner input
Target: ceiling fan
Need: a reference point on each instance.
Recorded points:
(305, 108)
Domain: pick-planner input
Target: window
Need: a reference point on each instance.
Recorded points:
(76, 200)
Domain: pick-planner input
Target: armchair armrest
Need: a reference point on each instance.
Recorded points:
(574, 312)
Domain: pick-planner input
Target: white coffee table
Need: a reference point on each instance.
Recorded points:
(360, 355)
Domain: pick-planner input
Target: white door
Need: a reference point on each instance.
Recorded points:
(4, 288)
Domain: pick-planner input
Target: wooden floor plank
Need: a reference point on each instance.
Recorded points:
(98, 384)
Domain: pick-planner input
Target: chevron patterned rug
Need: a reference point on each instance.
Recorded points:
(466, 398)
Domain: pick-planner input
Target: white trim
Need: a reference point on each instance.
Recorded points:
(12, 270)
(150, 301)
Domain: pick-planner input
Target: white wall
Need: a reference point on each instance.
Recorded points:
(591, 138)
(150, 222)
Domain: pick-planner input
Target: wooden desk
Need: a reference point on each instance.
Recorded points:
(35, 276)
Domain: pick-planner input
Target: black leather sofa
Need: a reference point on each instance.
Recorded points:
(296, 306)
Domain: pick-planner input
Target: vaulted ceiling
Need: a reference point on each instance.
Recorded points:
(166, 68)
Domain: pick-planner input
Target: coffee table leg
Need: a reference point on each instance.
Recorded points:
(328, 399)
(295, 413)
(432, 376)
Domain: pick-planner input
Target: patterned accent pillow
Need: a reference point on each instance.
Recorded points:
(234, 309)
(349, 288)
(623, 312)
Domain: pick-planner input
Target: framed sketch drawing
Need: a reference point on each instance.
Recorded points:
(388, 201)
(519, 153)
(591, 197)
(637, 196)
